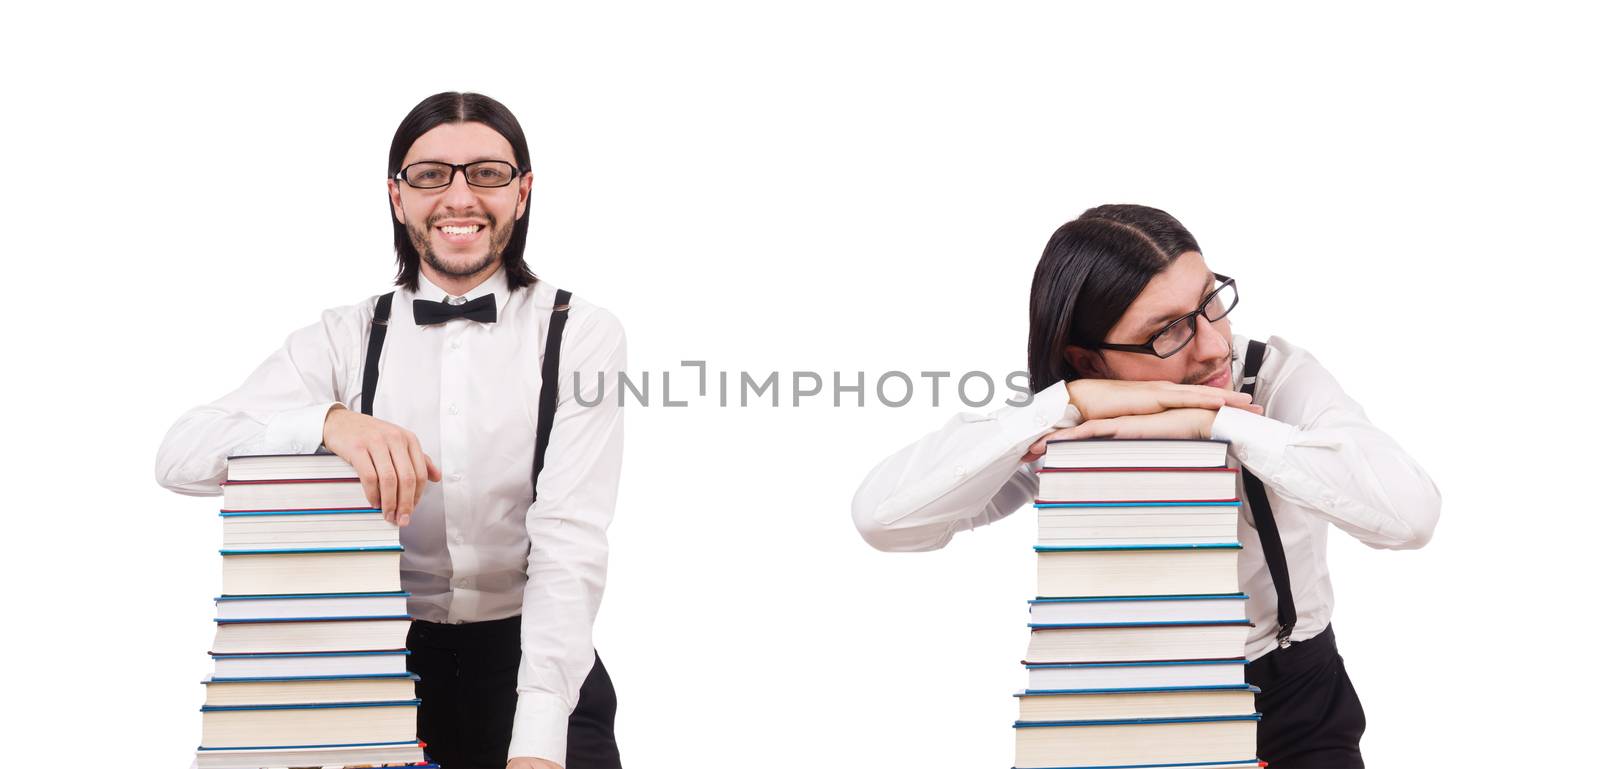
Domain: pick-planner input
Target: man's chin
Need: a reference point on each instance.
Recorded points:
(460, 266)
(1220, 379)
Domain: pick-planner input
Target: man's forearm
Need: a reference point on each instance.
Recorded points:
(1351, 474)
(192, 458)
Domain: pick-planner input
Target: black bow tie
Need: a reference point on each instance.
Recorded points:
(427, 313)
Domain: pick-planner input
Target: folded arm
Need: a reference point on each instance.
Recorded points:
(1315, 446)
(279, 409)
(964, 475)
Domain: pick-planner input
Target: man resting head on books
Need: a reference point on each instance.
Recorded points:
(1143, 343)
(1129, 338)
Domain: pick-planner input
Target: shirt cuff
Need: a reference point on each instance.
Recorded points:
(1023, 425)
(296, 431)
(1070, 415)
(1051, 408)
(540, 728)
(1257, 441)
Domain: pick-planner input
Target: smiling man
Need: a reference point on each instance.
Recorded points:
(503, 486)
(1129, 338)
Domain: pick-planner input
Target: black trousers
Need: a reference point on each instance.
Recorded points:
(1311, 717)
(468, 689)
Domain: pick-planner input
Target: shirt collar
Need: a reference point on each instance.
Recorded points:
(495, 284)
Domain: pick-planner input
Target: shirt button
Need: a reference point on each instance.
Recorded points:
(455, 345)
(455, 476)
(461, 583)
(961, 472)
(458, 539)
(454, 410)
(295, 447)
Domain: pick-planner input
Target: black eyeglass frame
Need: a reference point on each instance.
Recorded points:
(1149, 347)
(461, 168)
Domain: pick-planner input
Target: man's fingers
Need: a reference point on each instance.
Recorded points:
(1231, 397)
(1096, 428)
(368, 476)
(419, 465)
(1037, 448)
(433, 470)
(386, 481)
(1189, 399)
(1085, 430)
(1237, 399)
(405, 476)
(388, 459)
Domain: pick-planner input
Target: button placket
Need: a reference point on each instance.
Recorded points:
(454, 444)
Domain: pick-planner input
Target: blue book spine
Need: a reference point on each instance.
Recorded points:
(247, 679)
(1137, 690)
(1090, 625)
(316, 706)
(1136, 721)
(258, 620)
(282, 596)
(1103, 599)
(1249, 762)
(292, 550)
(337, 745)
(1040, 665)
(323, 511)
(302, 655)
(1091, 548)
(1226, 503)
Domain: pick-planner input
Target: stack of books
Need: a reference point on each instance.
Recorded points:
(309, 661)
(1137, 635)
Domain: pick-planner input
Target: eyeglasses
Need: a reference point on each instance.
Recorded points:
(1179, 333)
(431, 175)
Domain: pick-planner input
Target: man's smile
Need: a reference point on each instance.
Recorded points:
(460, 231)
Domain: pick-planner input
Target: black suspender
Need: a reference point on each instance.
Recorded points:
(550, 379)
(549, 373)
(1266, 525)
(369, 372)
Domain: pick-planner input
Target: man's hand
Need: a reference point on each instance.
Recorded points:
(531, 763)
(1103, 402)
(1172, 423)
(388, 459)
(1107, 398)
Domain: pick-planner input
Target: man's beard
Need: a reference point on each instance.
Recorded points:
(1205, 376)
(498, 238)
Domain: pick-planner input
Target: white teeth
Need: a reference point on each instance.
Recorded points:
(451, 230)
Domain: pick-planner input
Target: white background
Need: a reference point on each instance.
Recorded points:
(1410, 193)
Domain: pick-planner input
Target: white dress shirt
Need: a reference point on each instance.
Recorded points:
(1319, 458)
(475, 549)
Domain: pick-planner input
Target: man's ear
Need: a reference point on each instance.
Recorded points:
(524, 189)
(1089, 364)
(394, 201)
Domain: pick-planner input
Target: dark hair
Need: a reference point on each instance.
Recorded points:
(455, 107)
(1093, 268)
